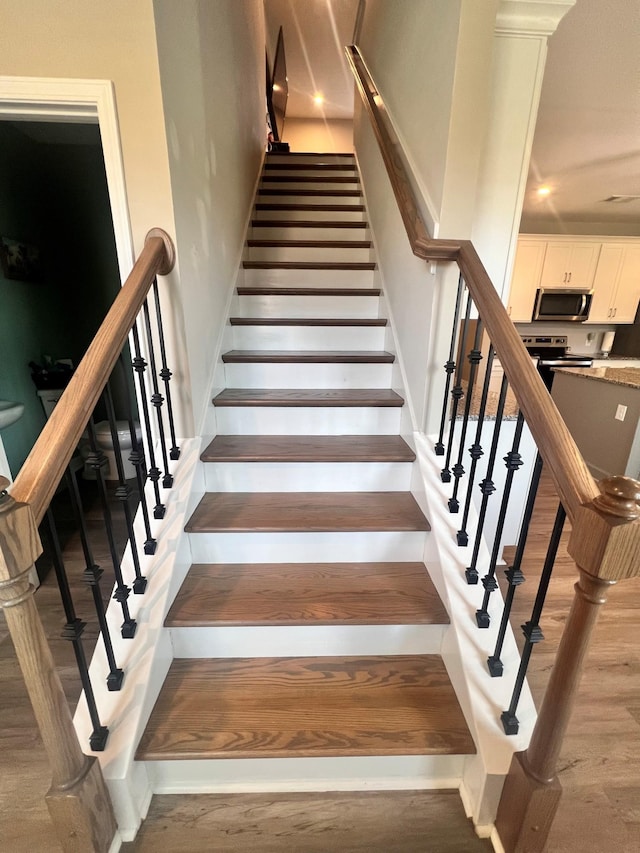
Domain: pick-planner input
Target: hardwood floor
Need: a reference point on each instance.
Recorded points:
(599, 768)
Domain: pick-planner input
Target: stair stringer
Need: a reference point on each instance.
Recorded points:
(465, 647)
(146, 658)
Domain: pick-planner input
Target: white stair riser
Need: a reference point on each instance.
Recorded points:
(274, 305)
(306, 641)
(353, 773)
(325, 214)
(308, 375)
(249, 547)
(306, 232)
(311, 420)
(310, 254)
(310, 172)
(308, 278)
(309, 337)
(307, 476)
(300, 197)
(320, 184)
(313, 157)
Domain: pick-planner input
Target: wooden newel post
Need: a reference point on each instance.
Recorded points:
(605, 543)
(78, 799)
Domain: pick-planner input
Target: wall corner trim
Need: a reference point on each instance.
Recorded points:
(531, 17)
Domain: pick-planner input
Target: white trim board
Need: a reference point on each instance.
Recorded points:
(78, 101)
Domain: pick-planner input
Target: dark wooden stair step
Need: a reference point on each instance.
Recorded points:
(307, 357)
(308, 291)
(315, 193)
(311, 179)
(239, 594)
(306, 321)
(306, 706)
(324, 397)
(308, 265)
(334, 208)
(307, 223)
(323, 167)
(306, 511)
(310, 244)
(308, 448)
(294, 155)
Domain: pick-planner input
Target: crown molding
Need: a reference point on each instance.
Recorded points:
(531, 17)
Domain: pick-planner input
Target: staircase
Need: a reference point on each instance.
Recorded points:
(307, 633)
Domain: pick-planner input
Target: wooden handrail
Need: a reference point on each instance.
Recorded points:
(44, 467)
(570, 474)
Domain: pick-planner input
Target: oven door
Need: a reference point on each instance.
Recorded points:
(564, 305)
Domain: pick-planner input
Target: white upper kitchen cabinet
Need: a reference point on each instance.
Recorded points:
(569, 264)
(616, 285)
(524, 282)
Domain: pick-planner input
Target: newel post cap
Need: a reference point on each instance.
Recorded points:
(20, 544)
(605, 536)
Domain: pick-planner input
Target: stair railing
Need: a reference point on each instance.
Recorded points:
(605, 516)
(78, 800)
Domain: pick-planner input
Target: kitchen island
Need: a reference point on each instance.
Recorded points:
(601, 407)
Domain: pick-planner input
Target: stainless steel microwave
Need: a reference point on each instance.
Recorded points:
(554, 303)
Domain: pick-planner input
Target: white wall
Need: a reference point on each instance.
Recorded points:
(211, 59)
(321, 135)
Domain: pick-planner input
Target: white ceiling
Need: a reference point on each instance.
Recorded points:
(587, 139)
(315, 33)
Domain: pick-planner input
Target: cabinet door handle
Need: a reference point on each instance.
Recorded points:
(615, 311)
(564, 280)
(569, 279)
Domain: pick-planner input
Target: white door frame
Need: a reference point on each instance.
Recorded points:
(87, 102)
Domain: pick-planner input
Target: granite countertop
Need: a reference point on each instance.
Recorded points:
(627, 376)
(510, 412)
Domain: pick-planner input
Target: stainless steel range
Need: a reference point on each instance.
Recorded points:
(551, 351)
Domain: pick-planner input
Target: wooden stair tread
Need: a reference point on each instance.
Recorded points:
(306, 511)
(358, 208)
(310, 244)
(338, 397)
(306, 321)
(315, 193)
(308, 291)
(295, 154)
(311, 179)
(308, 448)
(306, 706)
(307, 223)
(308, 265)
(307, 357)
(239, 594)
(325, 167)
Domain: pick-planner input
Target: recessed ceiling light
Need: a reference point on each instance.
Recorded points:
(318, 99)
(544, 190)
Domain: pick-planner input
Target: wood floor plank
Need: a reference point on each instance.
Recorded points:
(306, 321)
(308, 397)
(308, 448)
(306, 511)
(306, 706)
(316, 594)
(351, 822)
(308, 356)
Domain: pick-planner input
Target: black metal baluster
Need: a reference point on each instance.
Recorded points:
(514, 574)
(531, 629)
(92, 575)
(165, 374)
(157, 399)
(487, 486)
(456, 392)
(140, 366)
(73, 631)
(97, 460)
(513, 461)
(476, 451)
(475, 357)
(124, 492)
(450, 367)
(136, 457)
